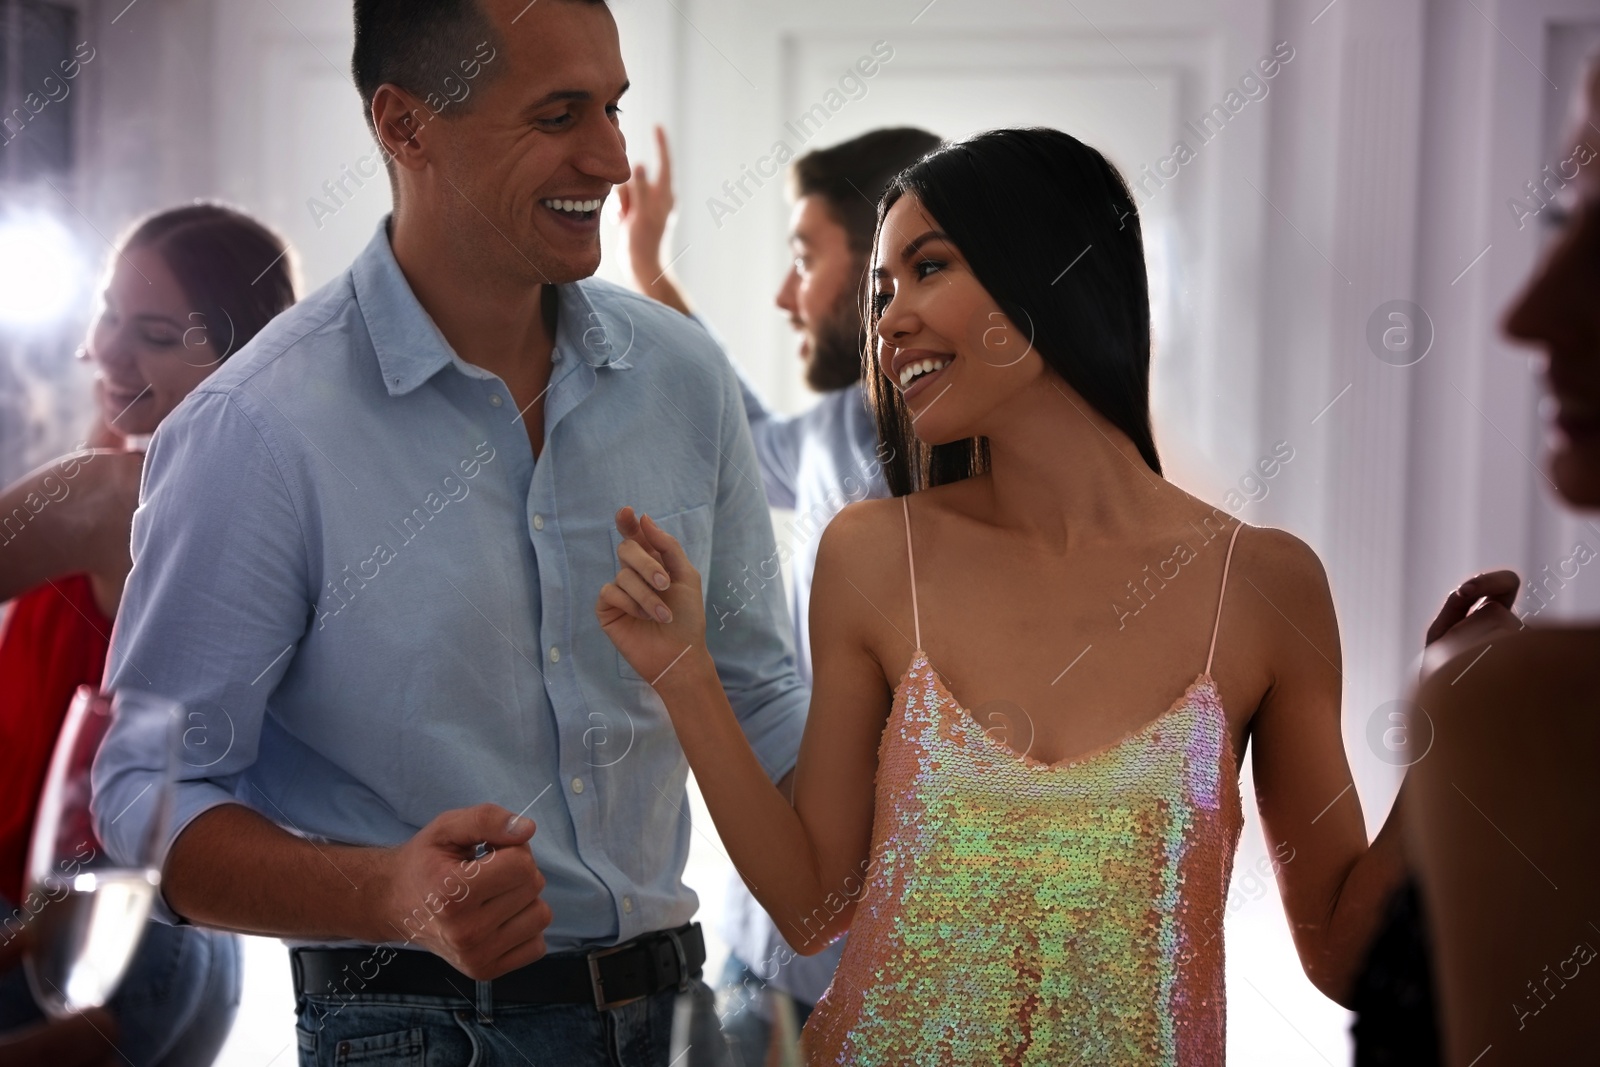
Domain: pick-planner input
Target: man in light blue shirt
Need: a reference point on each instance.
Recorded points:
(366, 561)
(812, 463)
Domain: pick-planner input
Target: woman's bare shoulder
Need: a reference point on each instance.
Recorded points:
(1531, 671)
(860, 592)
(1282, 567)
(1271, 557)
(1518, 712)
(863, 536)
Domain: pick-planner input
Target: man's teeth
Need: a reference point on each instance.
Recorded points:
(575, 206)
(922, 366)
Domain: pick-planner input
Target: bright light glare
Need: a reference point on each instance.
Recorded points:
(39, 270)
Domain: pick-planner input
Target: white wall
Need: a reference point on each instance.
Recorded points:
(1376, 169)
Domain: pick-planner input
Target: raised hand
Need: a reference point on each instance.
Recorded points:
(654, 611)
(646, 207)
(477, 909)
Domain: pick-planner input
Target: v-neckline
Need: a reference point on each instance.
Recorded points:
(1203, 680)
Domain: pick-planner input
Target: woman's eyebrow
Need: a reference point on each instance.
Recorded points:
(879, 273)
(931, 235)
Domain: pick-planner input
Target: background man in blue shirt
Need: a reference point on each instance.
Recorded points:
(365, 561)
(813, 463)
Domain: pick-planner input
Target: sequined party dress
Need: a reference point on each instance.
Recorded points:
(1017, 912)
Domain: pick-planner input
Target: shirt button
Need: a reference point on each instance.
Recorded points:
(555, 654)
(577, 785)
(555, 355)
(494, 399)
(538, 522)
(627, 905)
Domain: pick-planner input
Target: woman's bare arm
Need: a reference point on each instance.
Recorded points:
(72, 515)
(806, 863)
(1334, 885)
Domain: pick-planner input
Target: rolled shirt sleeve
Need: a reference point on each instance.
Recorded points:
(754, 648)
(212, 611)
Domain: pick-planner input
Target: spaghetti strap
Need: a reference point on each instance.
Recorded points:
(1217, 627)
(911, 559)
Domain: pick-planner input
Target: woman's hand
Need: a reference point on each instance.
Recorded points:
(654, 612)
(1477, 612)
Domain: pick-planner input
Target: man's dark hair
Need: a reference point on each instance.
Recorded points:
(851, 176)
(418, 45)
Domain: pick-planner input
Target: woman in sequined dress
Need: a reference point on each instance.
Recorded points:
(1036, 672)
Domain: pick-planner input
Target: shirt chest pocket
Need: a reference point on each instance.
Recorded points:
(692, 529)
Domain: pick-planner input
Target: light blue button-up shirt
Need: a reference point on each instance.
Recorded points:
(375, 606)
(815, 463)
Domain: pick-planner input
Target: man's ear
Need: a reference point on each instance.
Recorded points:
(399, 119)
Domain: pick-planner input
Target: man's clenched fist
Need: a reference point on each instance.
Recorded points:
(480, 913)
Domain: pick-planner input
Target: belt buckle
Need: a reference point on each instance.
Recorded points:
(598, 984)
(683, 961)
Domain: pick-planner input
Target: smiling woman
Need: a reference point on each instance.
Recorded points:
(1093, 331)
(184, 290)
(1056, 903)
(188, 288)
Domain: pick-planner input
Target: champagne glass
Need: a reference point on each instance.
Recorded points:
(94, 909)
(786, 1049)
(691, 1046)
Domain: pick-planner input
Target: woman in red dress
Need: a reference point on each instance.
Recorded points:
(185, 289)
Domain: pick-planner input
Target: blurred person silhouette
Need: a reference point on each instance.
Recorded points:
(1500, 930)
(812, 463)
(184, 289)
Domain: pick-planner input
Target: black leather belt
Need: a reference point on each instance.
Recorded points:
(605, 977)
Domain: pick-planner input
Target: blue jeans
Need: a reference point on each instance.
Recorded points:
(402, 1031)
(175, 1005)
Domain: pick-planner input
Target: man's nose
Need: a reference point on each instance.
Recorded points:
(785, 298)
(605, 155)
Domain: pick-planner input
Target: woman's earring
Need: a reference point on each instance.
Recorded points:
(81, 352)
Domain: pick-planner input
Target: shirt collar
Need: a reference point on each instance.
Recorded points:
(411, 349)
(588, 326)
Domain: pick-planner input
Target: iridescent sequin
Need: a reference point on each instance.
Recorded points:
(1023, 913)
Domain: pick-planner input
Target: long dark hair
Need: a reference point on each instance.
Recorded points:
(237, 273)
(1020, 205)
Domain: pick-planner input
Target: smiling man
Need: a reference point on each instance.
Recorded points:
(364, 561)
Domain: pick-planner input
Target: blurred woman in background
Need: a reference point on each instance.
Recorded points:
(1507, 808)
(185, 289)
